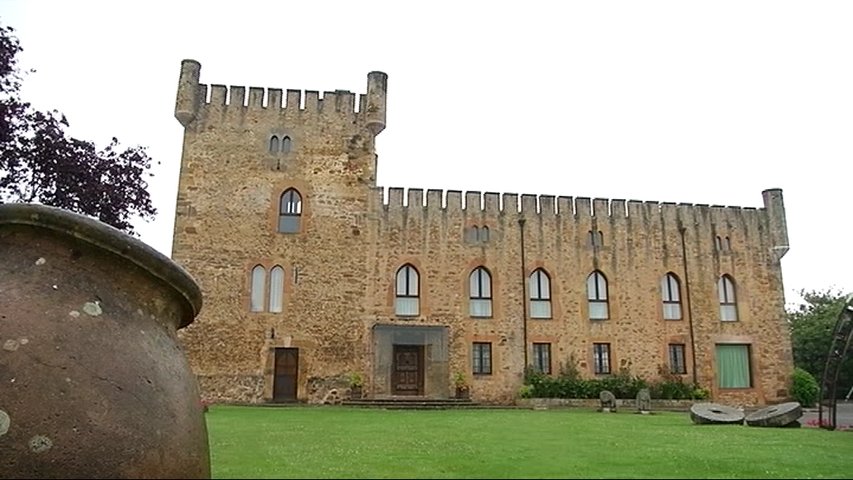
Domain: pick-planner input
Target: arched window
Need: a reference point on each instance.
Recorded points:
(480, 285)
(256, 291)
(727, 244)
(289, 211)
(484, 234)
(276, 289)
(285, 145)
(718, 244)
(273, 144)
(670, 289)
(728, 300)
(406, 303)
(540, 294)
(596, 294)
(472, 234)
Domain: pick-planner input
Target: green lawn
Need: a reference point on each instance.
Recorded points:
(333, 442)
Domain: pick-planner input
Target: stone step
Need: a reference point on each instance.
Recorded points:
(411, 403)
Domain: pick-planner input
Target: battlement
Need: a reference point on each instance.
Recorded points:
(528, 204)
(342, 101)
(194, 97)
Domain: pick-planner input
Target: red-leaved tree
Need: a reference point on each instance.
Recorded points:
(41, 163)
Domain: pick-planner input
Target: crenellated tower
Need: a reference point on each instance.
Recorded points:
(274, 190)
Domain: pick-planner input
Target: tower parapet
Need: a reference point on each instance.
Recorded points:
(775, 207)
(195, 102)
(187, 103)
(377, 87)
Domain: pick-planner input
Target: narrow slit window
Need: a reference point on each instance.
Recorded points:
(256, 291)
(276, 289)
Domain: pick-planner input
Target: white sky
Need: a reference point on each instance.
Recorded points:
(701, 102)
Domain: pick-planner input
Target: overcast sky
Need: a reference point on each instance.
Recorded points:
(700, 102)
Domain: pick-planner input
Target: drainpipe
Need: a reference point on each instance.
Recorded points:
(682, 230)
(523, 293)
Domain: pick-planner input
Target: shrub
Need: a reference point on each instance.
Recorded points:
(355, 379)
(804, 387)
(526, 391)
(700, 393)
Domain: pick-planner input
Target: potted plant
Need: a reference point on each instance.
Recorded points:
(356, 382)
(462, 388)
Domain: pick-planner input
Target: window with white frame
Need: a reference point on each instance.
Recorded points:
(480, 292)
(596, 294)
(257, 288)
(406, 303)
(482, 358)
(540, 294)
(601, 358)
(289, 211)
(671, 293)
(728, 299)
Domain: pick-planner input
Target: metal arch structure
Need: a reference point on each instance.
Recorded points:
(842, 336)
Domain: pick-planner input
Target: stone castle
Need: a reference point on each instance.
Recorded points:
(311, 273)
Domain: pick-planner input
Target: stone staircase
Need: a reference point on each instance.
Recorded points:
(412, 403)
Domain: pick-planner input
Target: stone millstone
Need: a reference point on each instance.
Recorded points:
(775, 415)
(702, 413)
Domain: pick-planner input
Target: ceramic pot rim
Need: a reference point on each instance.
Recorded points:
(113, 240)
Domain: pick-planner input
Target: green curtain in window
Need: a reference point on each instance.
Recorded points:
(733, 366)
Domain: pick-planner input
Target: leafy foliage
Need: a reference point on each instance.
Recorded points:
(804, 387)
(356, 380)
(569, 384)
(812, 325)
(41, 163)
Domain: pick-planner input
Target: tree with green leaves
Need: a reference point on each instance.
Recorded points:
(41, 163)
(812, 325)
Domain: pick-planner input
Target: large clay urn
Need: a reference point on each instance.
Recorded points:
(93, 382)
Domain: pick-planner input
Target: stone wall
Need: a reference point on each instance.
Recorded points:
(621, 404)
(340, 266)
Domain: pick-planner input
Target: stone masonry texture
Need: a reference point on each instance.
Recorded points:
(340, 266)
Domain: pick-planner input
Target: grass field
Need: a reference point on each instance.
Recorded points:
(333, 442)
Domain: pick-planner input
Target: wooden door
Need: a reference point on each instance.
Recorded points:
(286, 374)
(408, 370)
